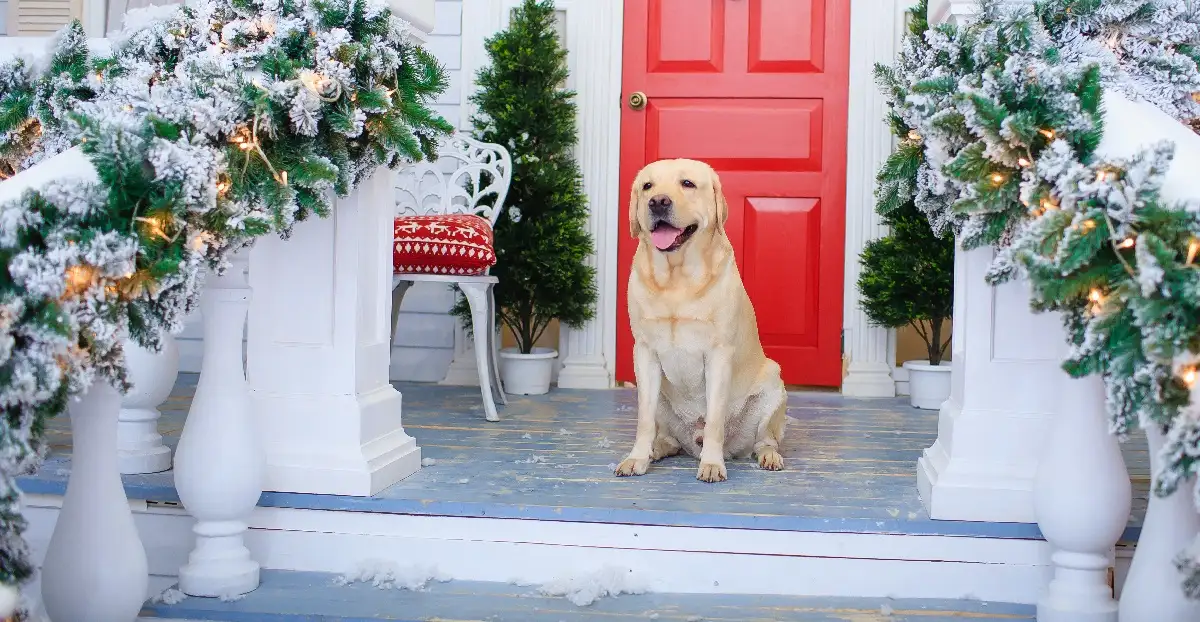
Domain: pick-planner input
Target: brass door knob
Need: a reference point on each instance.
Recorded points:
(637, 100)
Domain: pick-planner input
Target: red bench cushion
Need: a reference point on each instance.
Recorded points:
(459, 244)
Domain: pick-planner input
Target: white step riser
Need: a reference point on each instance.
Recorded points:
(676, 559)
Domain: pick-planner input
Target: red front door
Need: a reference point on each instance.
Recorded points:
(758, 89)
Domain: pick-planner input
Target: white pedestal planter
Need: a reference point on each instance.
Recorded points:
(527, 374)
(1153, 587)
(140, 446)
(928, 385)
(95, 566)
(1082, 497)
(219, 463)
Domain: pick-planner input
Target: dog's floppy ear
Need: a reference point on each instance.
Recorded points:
(635, 227)
(719, 200)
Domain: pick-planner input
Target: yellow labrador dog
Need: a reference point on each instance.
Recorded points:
(704, 384)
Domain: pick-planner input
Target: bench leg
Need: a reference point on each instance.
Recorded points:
(477, 298)
(494, 348)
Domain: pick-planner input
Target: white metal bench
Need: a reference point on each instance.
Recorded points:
(466, 173)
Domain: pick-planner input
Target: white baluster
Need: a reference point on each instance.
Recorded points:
(1153, 589)
(10, 596)
(95, 566)
(1081, 497)
(219, 462)
(140, 446)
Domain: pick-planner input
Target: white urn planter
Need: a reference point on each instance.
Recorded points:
(140, 447)
(527, 374)
(928, 385)
(1153, 588)
(95, 567)
(219, 463)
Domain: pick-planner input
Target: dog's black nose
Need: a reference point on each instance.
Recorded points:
(660, 204)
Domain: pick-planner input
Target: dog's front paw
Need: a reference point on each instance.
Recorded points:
(633, 466)
(711, 472)
(770, 460)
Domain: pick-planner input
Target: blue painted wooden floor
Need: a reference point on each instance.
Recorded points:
(313, 597)
(850, 467)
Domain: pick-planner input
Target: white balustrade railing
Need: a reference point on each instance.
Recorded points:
(1044, 453)
(220, 463)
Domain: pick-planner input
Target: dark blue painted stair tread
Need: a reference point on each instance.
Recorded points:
(318, 597)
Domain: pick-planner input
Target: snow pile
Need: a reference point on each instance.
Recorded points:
(535, 459)
(586, 588)
(170, 596)
(604, 443)
(387, 575)
(428, 462)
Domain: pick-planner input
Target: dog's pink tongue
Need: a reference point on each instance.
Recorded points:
(664, 236)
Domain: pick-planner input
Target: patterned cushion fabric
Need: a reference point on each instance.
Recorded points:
(458, 244)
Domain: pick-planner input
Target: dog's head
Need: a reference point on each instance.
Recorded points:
(673, 199)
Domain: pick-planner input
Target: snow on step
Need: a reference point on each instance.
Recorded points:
(312, 597)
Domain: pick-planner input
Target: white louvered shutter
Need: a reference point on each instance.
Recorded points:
(39, 18)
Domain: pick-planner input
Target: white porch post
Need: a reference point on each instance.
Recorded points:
(872, 40)
(983, 464)
(593, 31)
(318, 349)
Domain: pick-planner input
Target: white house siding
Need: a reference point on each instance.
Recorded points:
(424, 342)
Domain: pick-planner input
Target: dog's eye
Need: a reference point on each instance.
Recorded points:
(647, 186)
(687, 183)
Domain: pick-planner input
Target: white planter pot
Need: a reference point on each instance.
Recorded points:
(527, 374)
(1153, 588)
(928, 385)
(140, 446)
(95, 567)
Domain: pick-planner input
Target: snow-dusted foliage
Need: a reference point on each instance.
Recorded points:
(208, 125)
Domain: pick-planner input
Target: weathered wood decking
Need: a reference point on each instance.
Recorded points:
(850, 467)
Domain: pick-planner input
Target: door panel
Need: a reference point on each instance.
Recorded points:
(758, 89)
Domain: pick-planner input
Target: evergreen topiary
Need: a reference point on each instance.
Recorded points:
(908, 278)
(542, 244)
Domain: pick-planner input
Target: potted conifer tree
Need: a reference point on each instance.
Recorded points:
(542, 242)
(907, 280)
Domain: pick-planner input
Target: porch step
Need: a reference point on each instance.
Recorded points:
(287, 596)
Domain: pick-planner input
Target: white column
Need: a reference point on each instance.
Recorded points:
(989, 436)
(219, 460)
(1082, 497)
(593, 31)
(152, 374)
(318, 349)
(983, 463)
(873, 39)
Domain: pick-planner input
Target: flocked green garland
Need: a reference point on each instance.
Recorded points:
(208, 125)
(1001, 119)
